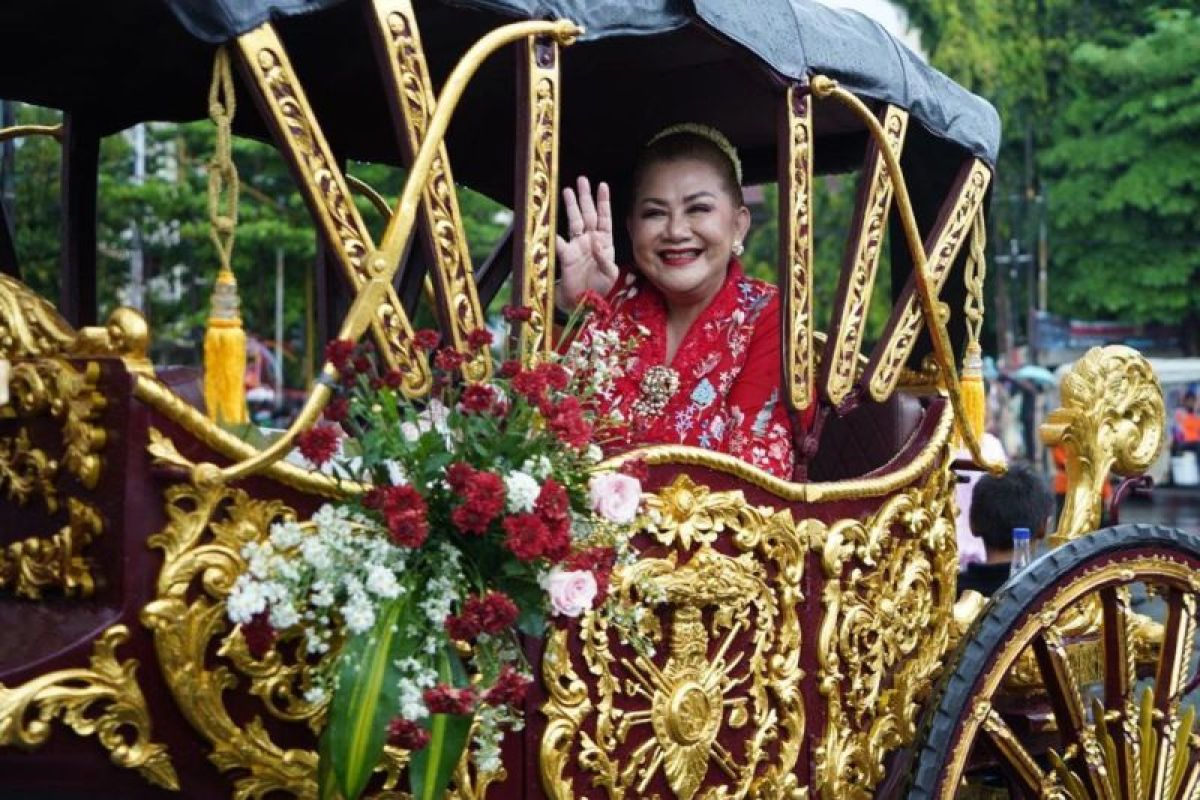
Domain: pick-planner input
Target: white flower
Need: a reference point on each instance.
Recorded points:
(594, 454)
(359, 614)
(615, 497)
(284, 616)
(286, 535)
(382, 581)
(539, 467)
(521, 490)
(396, 473)
(245, 600)
(316, 553)
(572, 592)
(410, 431)
(314, 695)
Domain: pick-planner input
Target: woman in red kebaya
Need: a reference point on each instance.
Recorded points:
(706, 367)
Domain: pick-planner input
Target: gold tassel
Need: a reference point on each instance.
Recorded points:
(225, 355)
(974, 397)
(224, 341)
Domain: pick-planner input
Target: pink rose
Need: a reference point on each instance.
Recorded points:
(571, 592)
(615, 497)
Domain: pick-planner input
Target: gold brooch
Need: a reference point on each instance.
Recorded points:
(659, 385)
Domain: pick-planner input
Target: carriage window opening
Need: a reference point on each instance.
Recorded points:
(29, 189)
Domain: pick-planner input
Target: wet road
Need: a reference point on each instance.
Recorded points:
(1178, 508)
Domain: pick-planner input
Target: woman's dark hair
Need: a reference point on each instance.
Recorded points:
(1019, 498)
(684, 146)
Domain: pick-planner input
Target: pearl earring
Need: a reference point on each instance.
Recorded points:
(738, 249)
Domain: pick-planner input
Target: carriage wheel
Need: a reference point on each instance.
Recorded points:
(1116, 725)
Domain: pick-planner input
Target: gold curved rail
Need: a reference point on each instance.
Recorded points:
(19, 131)
(823, 87)
(386, 260)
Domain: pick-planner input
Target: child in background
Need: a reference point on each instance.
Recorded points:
(1018, 499)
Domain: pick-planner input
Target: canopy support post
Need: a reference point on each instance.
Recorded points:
(77, 268)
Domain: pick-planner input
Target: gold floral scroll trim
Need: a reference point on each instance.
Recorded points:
(888, 617)
(724, 653)
(104, 700)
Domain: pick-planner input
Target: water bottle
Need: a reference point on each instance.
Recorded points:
(1022, 552)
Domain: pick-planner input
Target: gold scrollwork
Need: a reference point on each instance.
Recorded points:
(863, 251)
(201, 544)
(795, 228)
(325, 186)
(104, 700)
(731, 670)
(26, 471)
(30, 327)
(541, 178)
(941, 254)
(415, 98)
(1112, 418)
(30, 566)
(888, 619)
(72, 396)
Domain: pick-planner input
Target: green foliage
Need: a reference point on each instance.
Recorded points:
(1127, 176)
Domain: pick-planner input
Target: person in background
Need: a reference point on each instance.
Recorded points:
(1185, 433)
(1017, 499)
(1058, 454)
(971, 549)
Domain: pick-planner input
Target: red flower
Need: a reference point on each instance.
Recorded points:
(259, 634)
(479, 338)
(393, 379)
(337, 410)
(530, 383)
(509, 690)
(318, 444)
(479, 399)
(458, 475)
(525, 536)
(510, 368)
(338, 353)
(598, 561)
(594, 302)
(407, 735)
(448, 359)
(443, 699)
(553, 504)
(565, 420)
(517, 313)
(491, 613)
(636, 468)
(404, 511)
(426, 339)
(484, 495)
(556, 375)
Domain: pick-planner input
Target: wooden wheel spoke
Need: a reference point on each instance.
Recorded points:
(1120, 675)
(1174, 663)
(1015, 760)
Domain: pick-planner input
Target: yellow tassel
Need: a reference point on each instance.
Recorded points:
(225, 355)
(973, 396)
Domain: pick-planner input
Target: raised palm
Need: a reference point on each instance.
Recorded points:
(588, 259)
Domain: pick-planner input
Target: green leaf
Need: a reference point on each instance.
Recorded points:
(432, 767)
(365, 700)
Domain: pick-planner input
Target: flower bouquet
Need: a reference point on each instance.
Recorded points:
(484, 518)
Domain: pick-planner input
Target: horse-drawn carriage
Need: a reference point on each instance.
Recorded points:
(811, 641)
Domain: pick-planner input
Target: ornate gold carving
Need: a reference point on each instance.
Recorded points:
(541, 179)
(26, 471)
(30, 566)
(795, 231)
(30, 327)
(1112, 418)
(941, 254)
(888, 618)
(798, 492)
(413, 90)
(201, 545)
(862, 253)
(730, 671)
(324, 185)
(104, 700)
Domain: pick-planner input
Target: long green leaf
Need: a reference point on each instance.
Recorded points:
(432, 767)
(365, 699)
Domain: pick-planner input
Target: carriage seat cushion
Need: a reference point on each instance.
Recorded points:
(866, 438)
(186, 382)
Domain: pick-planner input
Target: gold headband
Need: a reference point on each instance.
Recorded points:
(704, 132)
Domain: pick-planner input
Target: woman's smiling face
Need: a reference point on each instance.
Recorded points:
(682, 227)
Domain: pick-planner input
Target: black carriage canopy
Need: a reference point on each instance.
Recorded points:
(641, 65)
